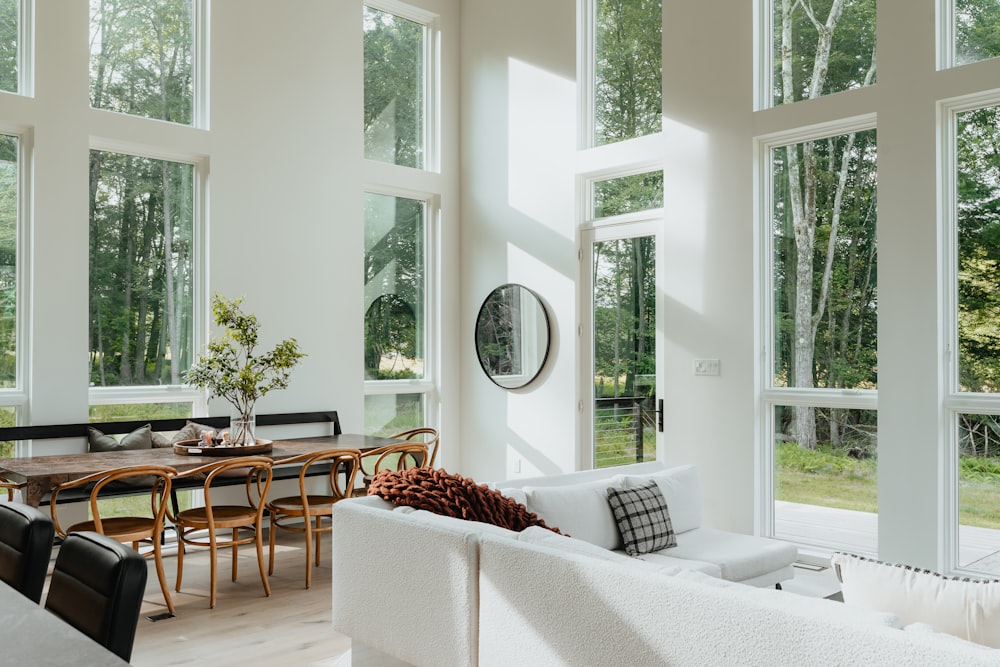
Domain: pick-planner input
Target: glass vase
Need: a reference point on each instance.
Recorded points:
(242, 427)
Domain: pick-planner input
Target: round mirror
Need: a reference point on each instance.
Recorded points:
(512, 336)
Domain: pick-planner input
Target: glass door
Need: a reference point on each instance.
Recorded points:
(623, 334)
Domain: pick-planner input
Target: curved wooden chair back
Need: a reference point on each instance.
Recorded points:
(429, 436)
(158, 478)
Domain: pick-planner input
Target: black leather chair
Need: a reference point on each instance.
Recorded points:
(97, 587)
(25, 546)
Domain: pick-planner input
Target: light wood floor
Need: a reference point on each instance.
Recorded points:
(288, 629)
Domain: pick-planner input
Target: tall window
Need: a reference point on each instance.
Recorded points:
(975, 399)
(395, 306)
(819, 48)
(401, 99)
(395, 99)
(10, 232)
(824, 292)
(142, 58)
(627, 70)
(141, 270)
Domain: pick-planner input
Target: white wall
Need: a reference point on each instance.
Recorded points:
(519, 225)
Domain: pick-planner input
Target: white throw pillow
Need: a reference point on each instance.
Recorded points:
(966, 608)
(578, 510)
(682, 490)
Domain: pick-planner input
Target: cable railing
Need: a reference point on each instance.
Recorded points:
(624, 431)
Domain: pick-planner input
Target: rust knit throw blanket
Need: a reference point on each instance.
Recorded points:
(437, 491)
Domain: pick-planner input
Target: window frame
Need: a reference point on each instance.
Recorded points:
(768, 396)
(427, 385)
(431, 93)
(955, 402)
(181, 393)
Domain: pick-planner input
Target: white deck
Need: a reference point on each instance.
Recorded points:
(857, 532)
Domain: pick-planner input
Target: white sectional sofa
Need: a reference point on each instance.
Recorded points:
(432, 590)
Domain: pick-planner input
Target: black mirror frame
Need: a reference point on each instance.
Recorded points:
(548, 337)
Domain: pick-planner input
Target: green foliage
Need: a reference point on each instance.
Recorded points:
(117, 412)
(628, 69)
(9, 24)
(231, 370)
(823, 460)
(394, 109)
(977, 30)
(141, 60)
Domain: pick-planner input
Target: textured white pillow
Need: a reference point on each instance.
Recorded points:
(578, 510)
(682, 490)
(966, 608)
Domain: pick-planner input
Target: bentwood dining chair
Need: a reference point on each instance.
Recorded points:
(401, 456)
(134, 530)
(97, 587)
(200, 526)
(311, 513)
(25, 547)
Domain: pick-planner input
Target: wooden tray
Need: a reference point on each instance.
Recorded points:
(197, 448)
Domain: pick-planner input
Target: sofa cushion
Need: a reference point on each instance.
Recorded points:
(682, 490)
(963, 607)
(642, 517)
(661, 559)
(578, 510)
(739, 557)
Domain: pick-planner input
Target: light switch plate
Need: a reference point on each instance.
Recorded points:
(706, 367)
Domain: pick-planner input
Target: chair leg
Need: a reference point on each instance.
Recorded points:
(180, 559)
(308, 531)
(158, 561)
(270, 540)
(236, 553)
(259, 539)
(213, 555)
(319, 536)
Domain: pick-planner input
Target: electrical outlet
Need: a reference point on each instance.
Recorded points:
(706, 367)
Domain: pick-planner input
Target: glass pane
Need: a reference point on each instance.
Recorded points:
(628, 194)
(394, 85)
(628, 70)
(827, 494)
(8, 260)
(979, 492)
(624, 351)
(141, 271)
(141, 58)
(978, 178)
(388, 414)
(809, 62)
(124, 412)
(394, 287)
(977, 30)
(825, 263)
(9, 44)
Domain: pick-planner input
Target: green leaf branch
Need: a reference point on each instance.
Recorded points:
(230, 369)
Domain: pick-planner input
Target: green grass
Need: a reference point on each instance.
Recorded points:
(829, 478)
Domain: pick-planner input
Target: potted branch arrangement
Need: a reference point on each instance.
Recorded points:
(230, 369)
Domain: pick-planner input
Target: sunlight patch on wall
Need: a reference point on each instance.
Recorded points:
(687, 212)
(541, 144)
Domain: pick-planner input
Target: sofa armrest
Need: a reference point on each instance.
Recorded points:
(406, 587)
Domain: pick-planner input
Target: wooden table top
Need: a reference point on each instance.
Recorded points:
(40, 474)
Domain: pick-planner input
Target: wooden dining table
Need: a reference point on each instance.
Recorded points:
(38, 475)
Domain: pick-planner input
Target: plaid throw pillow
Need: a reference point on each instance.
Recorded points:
(642, 517)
